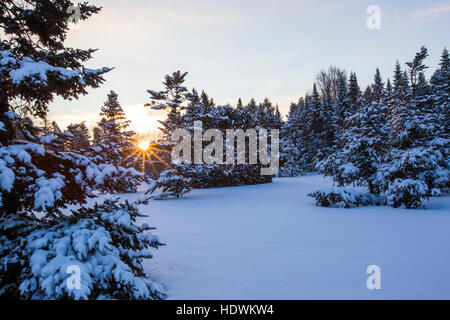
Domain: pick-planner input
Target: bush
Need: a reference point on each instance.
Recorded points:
(344, 198)
(407, 192)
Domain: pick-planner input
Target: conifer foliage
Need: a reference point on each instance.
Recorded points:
(113, 146)
(393, 140)
(183, 109)
(41, 173)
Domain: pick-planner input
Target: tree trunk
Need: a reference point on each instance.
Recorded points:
(5, 136)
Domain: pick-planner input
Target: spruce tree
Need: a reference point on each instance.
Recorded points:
(407, 175)
(377, 87)
(116, 141)
(440, 82)
(171, 184)
(80, 137)
(170, 99)
(364, 145)
(40, 240)
(354, 96)
(340, 106)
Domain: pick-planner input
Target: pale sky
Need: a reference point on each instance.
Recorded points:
(244, 48)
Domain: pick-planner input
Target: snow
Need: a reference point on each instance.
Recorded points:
(271, 242)
(38, 71)
(48, 191)
(47, 139)
(12, 115)
(7, 177)
(31, 68)
(348, 169)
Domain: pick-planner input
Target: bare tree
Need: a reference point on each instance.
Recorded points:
(327, 80)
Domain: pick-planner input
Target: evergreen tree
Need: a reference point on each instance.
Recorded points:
(377, 87)
(39, 179)
(367, 95)
(239, 105)
(54, 127)
(440, 82)
(290, 143)
(80, 137)
(416, 67)
(171, 184)
(96, 135)
(340, 106)
(408, 173)
(353, 99)
(116, 140)
(388, 94)
(115, 146)
(363, 148)
(171, 100)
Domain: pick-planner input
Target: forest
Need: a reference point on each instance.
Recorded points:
(384, 144)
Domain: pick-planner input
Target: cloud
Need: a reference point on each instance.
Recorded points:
(429, 14)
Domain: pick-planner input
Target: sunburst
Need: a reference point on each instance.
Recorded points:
(143, 145)
(144, 151)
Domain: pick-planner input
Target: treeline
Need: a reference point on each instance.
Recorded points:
(183, 108)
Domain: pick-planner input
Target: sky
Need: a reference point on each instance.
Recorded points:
(244, 48)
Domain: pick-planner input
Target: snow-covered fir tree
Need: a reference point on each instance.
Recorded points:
(39, 240)
(394, 145)
(115, 140)
(80, 137)
(170, 99)
(361, 145)
(440, 82)
(114, 146)
(184, 108)
(291, 134)
(416, 165)
(171, 184)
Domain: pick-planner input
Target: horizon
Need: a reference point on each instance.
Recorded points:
(232, 52)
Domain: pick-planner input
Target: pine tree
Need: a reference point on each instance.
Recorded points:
(114, 147)
(171, 100)
(54, 127)
(363, 148)
(96, 135)
(239, 105)
(407, 174)
(291, 134)
(367, 95)
(354, 97)
(416, 67)
(377, 87)
(39, 177)
(440, 82)
(171, 183)
(388, 94)
(116, 141)
(340, 106)
(80, 139)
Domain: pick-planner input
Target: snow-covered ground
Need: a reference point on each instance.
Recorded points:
(272, 242)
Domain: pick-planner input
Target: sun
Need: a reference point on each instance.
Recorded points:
(143, 145)
(146, 152)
